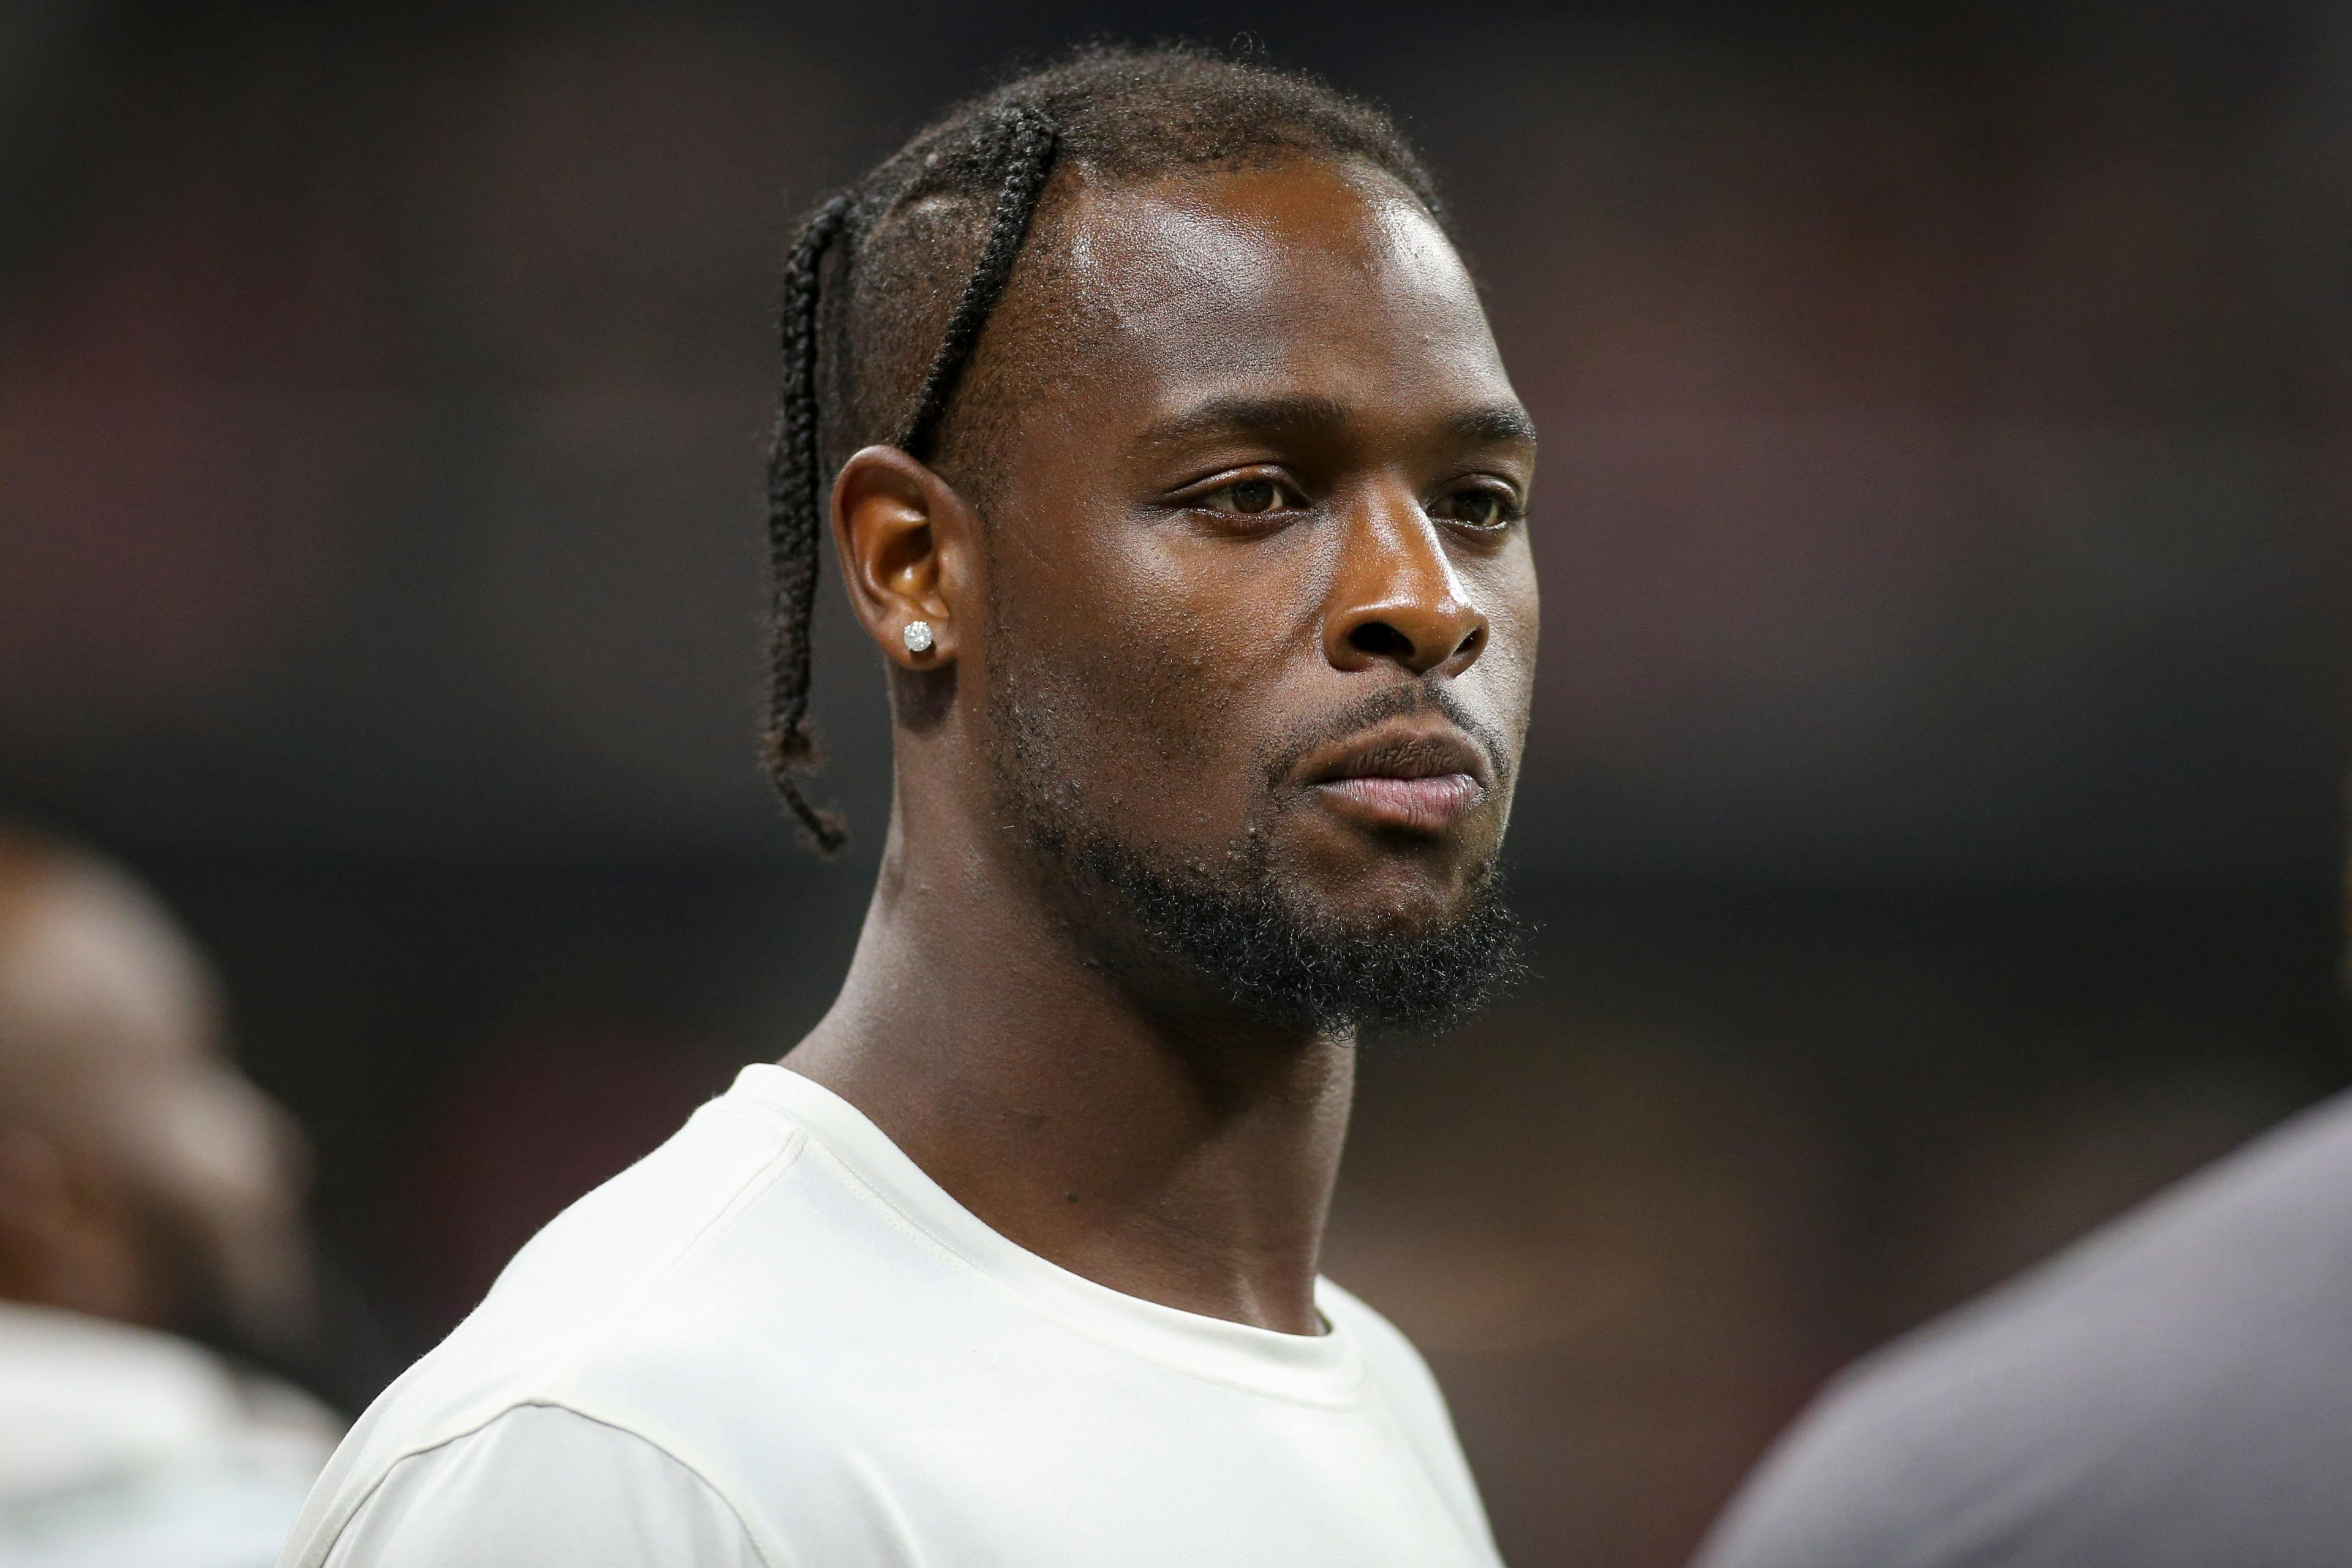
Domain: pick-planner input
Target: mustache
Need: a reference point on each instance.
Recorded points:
(1396, 702)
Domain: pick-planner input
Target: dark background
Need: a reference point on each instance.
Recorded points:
(1935, 804)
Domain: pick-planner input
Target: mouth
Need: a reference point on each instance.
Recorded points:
(1407, 776)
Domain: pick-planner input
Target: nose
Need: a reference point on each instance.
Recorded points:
(1396, 599)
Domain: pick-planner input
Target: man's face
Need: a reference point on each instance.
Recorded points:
(1263, 613)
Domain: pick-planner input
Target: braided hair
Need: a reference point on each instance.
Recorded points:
(890, 287)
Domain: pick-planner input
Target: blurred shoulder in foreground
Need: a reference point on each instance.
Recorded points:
(2176, 1389)
(148, 1190)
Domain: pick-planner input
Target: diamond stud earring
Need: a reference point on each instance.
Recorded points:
(916, 637)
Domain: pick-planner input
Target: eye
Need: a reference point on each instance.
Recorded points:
(1483, 507)
(1250, 498)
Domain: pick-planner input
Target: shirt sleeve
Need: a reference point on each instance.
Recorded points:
(543, 1487)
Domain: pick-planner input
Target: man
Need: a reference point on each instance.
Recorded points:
(2173, 1392)
(1174, 472)
(145, 1186)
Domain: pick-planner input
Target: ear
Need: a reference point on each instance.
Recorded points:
(910, 551)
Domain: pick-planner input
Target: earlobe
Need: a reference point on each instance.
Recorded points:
(903, 535)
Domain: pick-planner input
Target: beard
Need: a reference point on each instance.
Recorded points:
(1239, 920)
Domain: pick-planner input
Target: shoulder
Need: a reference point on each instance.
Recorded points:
(575, 1321)
(2072, 1412)
(541, 1485)
(1402, 1381)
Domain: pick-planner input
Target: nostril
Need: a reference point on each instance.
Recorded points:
(1381, 640)
(1469, 645)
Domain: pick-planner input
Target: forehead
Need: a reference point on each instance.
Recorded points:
(1303, 270)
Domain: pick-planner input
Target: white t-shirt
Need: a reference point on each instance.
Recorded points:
(121, 1447)
(776, 1343)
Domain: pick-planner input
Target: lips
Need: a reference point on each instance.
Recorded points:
(1407, 776)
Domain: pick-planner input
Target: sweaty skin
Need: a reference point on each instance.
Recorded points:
(1274, 486)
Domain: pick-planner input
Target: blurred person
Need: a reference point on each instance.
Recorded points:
(2174, 1390)
(1175, 473)
(147, 1189)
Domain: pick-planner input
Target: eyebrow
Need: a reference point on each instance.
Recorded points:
(1495, 424)
(1304, 415)
(1251, 416)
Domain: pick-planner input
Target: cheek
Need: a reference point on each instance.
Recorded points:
(1160, 658)
(1507, 592)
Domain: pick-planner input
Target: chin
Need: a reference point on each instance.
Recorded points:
(1408, 899)
(1396, 881)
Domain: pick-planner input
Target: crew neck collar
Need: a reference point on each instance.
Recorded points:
(1325, 1369)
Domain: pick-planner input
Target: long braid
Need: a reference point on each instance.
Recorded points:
(1027, 156)
(795, 501)
(796, 550)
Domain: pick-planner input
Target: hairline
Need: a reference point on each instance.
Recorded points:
(1027, 306)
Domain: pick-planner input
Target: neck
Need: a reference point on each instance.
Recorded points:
(1164, 1146)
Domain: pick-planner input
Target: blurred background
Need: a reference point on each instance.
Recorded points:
(1935, 810)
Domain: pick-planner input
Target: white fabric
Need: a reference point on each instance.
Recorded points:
(511, 1492)
(124, 1448)
(775, 1342)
